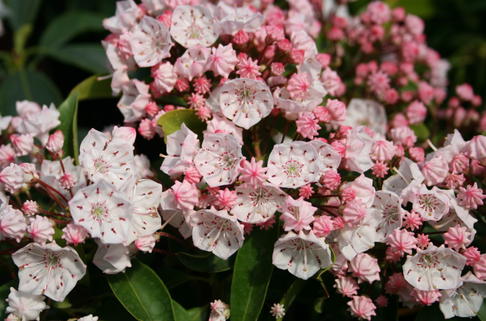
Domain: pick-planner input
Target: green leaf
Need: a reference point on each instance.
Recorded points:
(22, 12)
(68, 25)
(4, 291)
(90, 57)
(422, 8)
(251, 275)
(482, 311)
(173, 120)
(20, 38)
(421, 131)
(206, 263)
(194, 314)
(69, 125)
(93, 88)
(142, 293)
(27, 85)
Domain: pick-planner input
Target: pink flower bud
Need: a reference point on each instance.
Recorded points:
(55, 142)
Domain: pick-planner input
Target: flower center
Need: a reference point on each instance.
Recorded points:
(99, 210)
(101, 166)
(293, 168)
(227, 160)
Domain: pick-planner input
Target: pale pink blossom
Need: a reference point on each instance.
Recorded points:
(365, 268)
(435, 171)
(362, 307)
(252, 172)
(12, 223)
(25, 306)
(297, 214)
(193, 26)
(401, 241)
(74, 234)
(150, 42)
(346, 286)
(470, 197)
(222, 60)
(41, 229)
(457, 237)
(55, 142)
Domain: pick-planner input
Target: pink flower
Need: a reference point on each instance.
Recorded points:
(183, 196)
(193, 63)
(402, 241)
(225, 199)
(416, 112)
(465, 92)
(74, 234)
(248, 68)
(150, 42)
(346, 286)
(382, 150)
(380, 169)
(472, 255)
(202, 85)
(470, 197)
(337, 109)
(365, 267)
(7, 155)
(297, 214)
(412, 220)
(222, 60)
(22, 144)
(252, 172)
(427, 297)
(331, 179)
(457, 237)
(164, 77)
(480, 267)
(298, 85)
(459, 163)
(12, 223)
(423, 241)
(307, 125)
(55, 142)
(30, 207)
(354, 211)
(41, 229)
(403, 135)
(435, 170)
(323, 225)
(362, 307)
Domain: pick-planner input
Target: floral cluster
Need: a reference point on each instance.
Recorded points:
(322, 146)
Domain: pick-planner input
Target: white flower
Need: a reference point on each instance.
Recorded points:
(217, 232)
(52, 171)
(88, 317)
(48, 269)
(192, 26)
(109, 159)
(358, 149)
(466, 300)
(218, 159)
(257, 204)
(368, 113)
(432, 205)
(178, 219)
(193, 63)
(244, 101)
(112, 258)
(233, 19)
(150, 42)
(104, 212)
(434, 269)
(329, 158)
(135, 98)
(182, 146)
(146, 200)
(387, 207)
(293, 164)
(126, 15)
(37, 121)
(301, 254)
(24, 305)
(354, 240)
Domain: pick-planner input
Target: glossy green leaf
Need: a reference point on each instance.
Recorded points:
(173, 120)
(194, 314)
(199, 261)
(251, 275)
(422, 8)
(142, 293)
(4, 291)
(69, 125)
(90, 57)
(68, 25)
(421, 131)
(22, 12)
(482, 312)
(93, 88)
(27, 85)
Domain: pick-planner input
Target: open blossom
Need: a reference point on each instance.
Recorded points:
(192, 26)
(150, 42)
(182, 146)
(220, 311)
(35, 120)
(368, 113)
(24, 305)
(217, 232)
(257, 204)
(464, 301)
(104, 212)
(297, 214)
(48, 269)
(108, 159)
(218, 159)
(193, 63)
(293, 164)
(112, 258)
(434, 269)
(301, 254)
(244, 101)
(432, 205)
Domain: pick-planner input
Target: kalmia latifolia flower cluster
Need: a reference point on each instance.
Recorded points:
(311, 124)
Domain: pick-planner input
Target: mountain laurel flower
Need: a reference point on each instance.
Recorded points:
(297, 214)
(220, 311)
(472, 255)
(277, 310)
(13, 224)
(193, 26)
(307, 125)
(470, 197)
(41, 229)
(55, 142)
(48, 270)
(365, 268)
(25, 306)
(222, 60)
(252, 172)
(362, 307)
(346, 286)
(74, 234)
(402, 241)
(22, 144)
(30, 207)
(435, 170)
